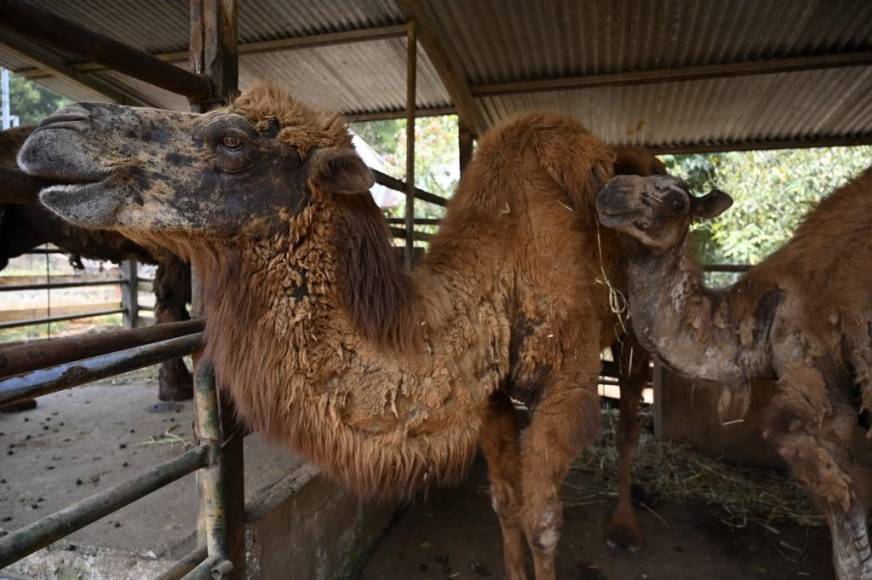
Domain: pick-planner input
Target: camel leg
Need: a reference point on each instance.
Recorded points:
(811, 429)
(565, 421)
(501, 448)
(624, 530)
(172, 290)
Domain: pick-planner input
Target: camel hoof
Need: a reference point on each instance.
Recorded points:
(625, 538)
(27, 405)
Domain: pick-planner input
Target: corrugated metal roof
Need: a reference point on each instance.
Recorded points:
(495, 41)
(365, 77)
(510, 40)
(712, 111)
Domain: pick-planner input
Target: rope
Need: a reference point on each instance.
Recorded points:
(617, 302)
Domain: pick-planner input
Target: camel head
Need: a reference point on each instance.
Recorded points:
(240, 170)
(656, 210)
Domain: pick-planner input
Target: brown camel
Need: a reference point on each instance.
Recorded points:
(385, 380)
(23, 227)
(803, 316)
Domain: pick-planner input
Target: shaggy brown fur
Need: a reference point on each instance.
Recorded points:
(24, 227)
(383, 379)
(803, 316)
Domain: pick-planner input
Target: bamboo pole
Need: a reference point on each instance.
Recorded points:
(214, 54)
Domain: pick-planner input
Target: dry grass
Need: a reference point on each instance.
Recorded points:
(675, 472)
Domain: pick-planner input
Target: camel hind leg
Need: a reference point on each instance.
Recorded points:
(631, 359)
(501, 447)
(811, 428)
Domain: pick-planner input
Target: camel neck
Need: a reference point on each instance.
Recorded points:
(384, 417)
(714, 334)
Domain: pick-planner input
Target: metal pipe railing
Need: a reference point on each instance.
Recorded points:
(62, 318)
(40, 354)
(73, 374)
(60, 285)
(30, 538)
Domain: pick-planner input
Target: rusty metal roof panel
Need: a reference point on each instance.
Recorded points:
(713, 111)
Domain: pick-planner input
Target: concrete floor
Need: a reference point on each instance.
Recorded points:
(456, 535)
(87, 439)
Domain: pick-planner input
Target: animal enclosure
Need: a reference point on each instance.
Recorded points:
(390, 367)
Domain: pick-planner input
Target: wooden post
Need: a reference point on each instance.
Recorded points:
(464, 144)
(214, 54)
(130, 294)
(411, 80)
(657, 387)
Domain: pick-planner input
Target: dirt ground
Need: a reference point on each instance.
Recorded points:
(84, 440)
(455, 534)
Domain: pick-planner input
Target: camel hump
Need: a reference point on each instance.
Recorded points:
(574, 158)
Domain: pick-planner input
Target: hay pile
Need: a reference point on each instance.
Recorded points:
(675, 472)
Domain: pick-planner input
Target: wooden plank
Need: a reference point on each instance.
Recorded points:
(46, 28)
(113, 90)
(465, 143)
(755, 145)
(266, 46)
(670, 75)
(399, 185)
(446, 65)
(365, 117)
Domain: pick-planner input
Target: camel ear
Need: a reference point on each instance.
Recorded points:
(711, 205)
(339, 172)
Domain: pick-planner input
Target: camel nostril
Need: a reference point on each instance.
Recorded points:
(67, 117)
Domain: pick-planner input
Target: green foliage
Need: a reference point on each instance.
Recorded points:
(772, 190)
(436, 161)
(31, 102)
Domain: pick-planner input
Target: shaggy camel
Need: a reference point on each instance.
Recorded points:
(803, 316)
(23, 227)
(385, 380)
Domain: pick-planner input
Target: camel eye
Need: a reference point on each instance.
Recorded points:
(231, 141)
(677, 204)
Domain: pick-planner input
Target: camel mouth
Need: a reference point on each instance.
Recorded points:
(615, 217)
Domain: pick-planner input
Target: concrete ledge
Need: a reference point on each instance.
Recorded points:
(308, 528)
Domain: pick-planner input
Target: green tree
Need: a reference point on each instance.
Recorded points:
(772, 190)
(32, 102)
(436, 160)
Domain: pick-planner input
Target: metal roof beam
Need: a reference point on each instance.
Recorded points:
(47, 60)
(757, 145)
(691, 73)
(453, 79)
(398, 114)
